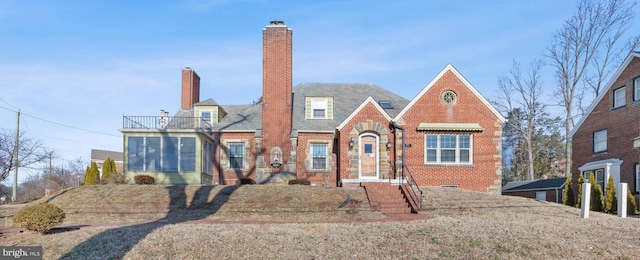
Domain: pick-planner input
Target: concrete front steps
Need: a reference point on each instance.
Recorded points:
(387, 198)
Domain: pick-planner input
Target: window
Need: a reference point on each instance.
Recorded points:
(637, 177)
(168, 154)
(448, 149)
(187, 154)
(598, 174)
(319, 156)
(541, 195)
(619, 97)
(319, 108)
(636, 89)
(386, 104)
(236, 155)
(600, 141)
(135, 153)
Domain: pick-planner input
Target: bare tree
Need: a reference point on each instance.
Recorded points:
(582, 53)
(30, 152)
(521, 101)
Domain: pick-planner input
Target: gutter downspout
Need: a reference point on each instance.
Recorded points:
(402, 166)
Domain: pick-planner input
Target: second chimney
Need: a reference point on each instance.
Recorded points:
(190, 88)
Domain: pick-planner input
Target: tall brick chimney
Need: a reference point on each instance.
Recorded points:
(190, 88)
(276, 91)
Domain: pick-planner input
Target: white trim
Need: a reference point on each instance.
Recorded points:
(355, 112)
(637, 177)
(464, 81)
(377, 155)
(604, 92)
(457, 149)
(610, 166)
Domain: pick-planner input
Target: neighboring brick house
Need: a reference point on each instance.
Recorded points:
(605, 140)
(328, 134)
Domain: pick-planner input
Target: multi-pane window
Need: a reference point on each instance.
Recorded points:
(319, 108)
(619, 97)
(168, 154)
(636, 89)
(236, 155)
(448, 149)
(600, 141)
(598, 174)
(319, 156)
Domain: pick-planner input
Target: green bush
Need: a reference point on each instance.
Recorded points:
(143, 179)
(579, 197)
(299, 182)
(93, 175)
(597, 197)
(610, 202)
(568, 198)
(632, 207)
(40, 217)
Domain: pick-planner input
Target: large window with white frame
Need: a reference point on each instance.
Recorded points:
(448, 149)
(636, 89)
(600, 141)
(598, 174)
(319, 156)
(236, 155)
(168, 154)
(619, 97)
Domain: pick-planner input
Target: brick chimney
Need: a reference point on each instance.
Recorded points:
(276, 90)
(190, 88)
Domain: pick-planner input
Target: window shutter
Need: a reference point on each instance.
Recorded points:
(308, 110)
(329, 108)
(637, 177)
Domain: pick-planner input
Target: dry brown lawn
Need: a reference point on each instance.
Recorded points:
(301, 222)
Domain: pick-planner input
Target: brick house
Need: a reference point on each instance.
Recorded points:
(606, 140)
(328, 134)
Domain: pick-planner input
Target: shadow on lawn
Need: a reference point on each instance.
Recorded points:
(115, 243)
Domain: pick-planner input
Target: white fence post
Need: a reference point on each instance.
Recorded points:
(622, 200)
(586, 200)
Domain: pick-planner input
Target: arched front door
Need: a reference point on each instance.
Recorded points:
(368, 156)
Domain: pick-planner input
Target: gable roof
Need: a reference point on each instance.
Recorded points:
(208, 102)
(463, 80)
(357, 110)
(604, 92)
(545, 184)
(346, 99)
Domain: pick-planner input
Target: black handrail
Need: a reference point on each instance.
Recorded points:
(162, 122)
(413, 185)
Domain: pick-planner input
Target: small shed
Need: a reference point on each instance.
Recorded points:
(544, 190)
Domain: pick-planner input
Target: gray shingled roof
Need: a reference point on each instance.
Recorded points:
(346, 98)
(103, 154)
(546, 184)
(240, 117)
(208, 102)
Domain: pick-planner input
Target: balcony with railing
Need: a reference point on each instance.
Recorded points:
(164, 122)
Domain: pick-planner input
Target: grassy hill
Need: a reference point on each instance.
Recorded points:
(143, 203)
(302, 222)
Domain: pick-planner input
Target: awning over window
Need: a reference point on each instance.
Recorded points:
(472, 127)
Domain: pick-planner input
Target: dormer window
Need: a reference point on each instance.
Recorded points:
(206, 116)
(319, 108)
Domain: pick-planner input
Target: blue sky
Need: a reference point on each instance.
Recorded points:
(85, 64)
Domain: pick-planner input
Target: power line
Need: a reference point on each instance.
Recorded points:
(57, 123)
